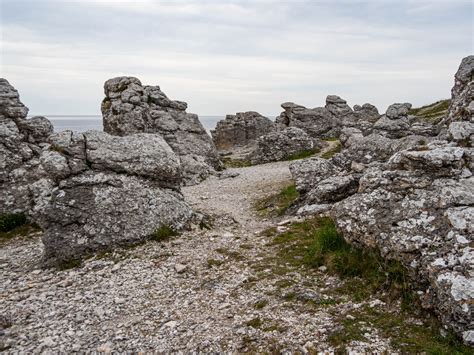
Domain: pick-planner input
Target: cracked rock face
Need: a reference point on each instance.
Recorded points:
(88, 191)
(241, 130)
(100, 210)
(129, 107)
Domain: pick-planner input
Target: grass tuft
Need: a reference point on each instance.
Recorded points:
(333, 151)
(235, 163)
(10, 221)
(163, 233)
(277, 205)
(303, 154)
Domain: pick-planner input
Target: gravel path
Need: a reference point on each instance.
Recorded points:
(200, 291)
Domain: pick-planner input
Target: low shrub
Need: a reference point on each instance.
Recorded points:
(11, 221)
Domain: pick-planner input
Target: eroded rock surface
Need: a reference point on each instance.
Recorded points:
(129, 107)
(241, 130)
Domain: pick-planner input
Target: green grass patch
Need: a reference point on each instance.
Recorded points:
(277, 205)
(364, 273)
(432, 113)
(236, 163)
(163, 233)
(214, 262)
(24, 230)
(406, 335)
(260, 304)
(333, 151)
(303, 154)
(316, 242)
(254, 323)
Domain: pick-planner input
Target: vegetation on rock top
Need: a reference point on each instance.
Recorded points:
(432, 113)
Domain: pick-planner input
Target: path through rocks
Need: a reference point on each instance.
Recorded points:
(202, 290)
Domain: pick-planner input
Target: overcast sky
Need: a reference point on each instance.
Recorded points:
(224, 57)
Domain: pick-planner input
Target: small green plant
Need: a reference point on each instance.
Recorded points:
(69, 264)
(277, 205)
(260, 304)
(106, 103)
(254, 323)
(163, 233)
(330, 139)
(303, 154)
(236, 163)
(333, 151)
(214, 262)
(10, 221)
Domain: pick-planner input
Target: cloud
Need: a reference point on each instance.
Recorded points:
(222, 57)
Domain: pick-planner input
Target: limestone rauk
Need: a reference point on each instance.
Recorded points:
(87, 191)
(129, 107)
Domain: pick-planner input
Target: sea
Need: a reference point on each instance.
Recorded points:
(82, 123)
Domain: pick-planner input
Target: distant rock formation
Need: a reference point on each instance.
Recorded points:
(328, 121)
(87, 191)
(241, 130)
(283, 145)
(409, 196)
(129, 107)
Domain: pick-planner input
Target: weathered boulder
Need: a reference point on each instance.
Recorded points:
(373, 148)
(419, 211)
(283, 145)
(308, 173)
(328, 121)
(101, 210)
(395, 122)
(462, 102)
(318, 122)
(462, 132)
(107, 191)
(241, 130)
(129, 107)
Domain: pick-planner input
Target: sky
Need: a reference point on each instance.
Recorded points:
(223, 57)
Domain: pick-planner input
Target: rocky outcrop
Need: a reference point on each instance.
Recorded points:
(107, 191)
(129, 107)
(21, 142)
(283, 145)
(241, 130)
(87, 191)
(418, 209)
(462, 103)
(318, 122)
(410, 197)
(328, 121)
